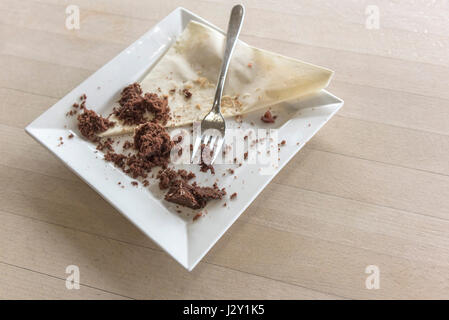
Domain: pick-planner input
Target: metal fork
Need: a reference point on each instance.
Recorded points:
(213, 126)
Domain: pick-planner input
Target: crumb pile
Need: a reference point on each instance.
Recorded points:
(90, 124)
(107, 144)
(151, 147)
(153, 143)
(134, 106)
(168, 176)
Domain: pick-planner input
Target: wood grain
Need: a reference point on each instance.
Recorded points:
(371, 188)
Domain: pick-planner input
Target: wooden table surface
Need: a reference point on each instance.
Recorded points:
(371, 188)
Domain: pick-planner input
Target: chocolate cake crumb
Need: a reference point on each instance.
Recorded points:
(134, 183)
(268, 117)
(187, 93)
(184, 174)
(245, 155)
(90, 124)
(198, 215)
(168, 176)
(192, 195)
(70, 136)
(206, 167)
(153, 144)
(145, 183)
(178, 139)
(134, 106)
(233, 196)
(116, 158)
(107, 144)
(127, 145)
(182, 193)
(138, 167)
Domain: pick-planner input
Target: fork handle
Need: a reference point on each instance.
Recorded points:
(234, 26)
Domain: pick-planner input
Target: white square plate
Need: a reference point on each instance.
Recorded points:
(185, 240)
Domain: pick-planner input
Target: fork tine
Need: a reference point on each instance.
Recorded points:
(196, 147)
(217, 149)
(212, 141)
(206, 139)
